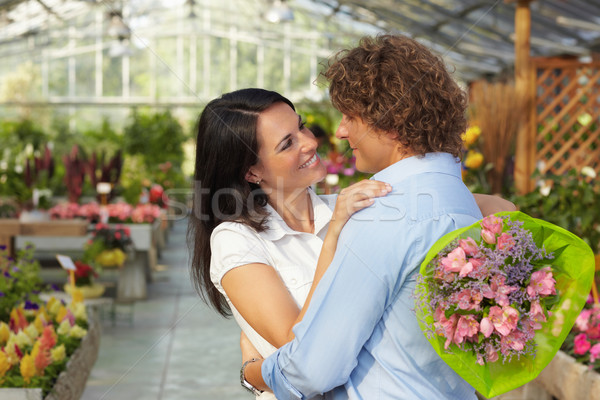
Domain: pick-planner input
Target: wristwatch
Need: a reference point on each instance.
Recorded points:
(245, 384)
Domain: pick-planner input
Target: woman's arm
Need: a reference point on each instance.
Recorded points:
(489, 204)
(259, 294)
(349, 200)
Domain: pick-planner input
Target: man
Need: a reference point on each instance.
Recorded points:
(402, 116)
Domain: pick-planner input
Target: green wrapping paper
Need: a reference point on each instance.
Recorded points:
(573, 270)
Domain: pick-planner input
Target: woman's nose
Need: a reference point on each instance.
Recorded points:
(309, 142)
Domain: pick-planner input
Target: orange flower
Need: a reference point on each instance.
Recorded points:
(17, 320)
(42, 357)
(48, 338)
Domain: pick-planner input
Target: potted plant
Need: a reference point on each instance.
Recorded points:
(84, 281)
(109, 246)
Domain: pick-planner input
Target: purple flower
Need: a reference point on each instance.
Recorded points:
(31, 306)
(2, 247)
(2, 294)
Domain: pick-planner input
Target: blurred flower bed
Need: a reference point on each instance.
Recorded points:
(571, 201)
(36, 338)
(59, 169)
(119, 212)
(583, 342)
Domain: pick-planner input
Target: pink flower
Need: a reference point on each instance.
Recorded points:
(469, 299)
(478, 272)
(582, 345)
(506, 241)
(456, 261)
(486, 327)
(445, 326)
(488, 236)
(583, 319)
(504, 319)
(514, 340)
(491, 353)
(497, 290)
(466, 327)
(493, 224)
(594, 352)
(542, 283)
(469, 246)
(537, 315)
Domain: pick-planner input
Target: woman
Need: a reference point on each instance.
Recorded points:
(262, 239)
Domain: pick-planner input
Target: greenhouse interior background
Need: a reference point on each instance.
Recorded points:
(110, 91)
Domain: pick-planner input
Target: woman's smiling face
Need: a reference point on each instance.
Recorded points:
(288, 158)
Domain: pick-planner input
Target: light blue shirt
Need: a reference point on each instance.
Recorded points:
(359, 338)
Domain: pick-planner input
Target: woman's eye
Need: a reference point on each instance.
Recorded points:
(287, 144)
(302, 125)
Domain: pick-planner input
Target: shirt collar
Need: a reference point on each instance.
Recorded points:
(277, 228)
(432, 162)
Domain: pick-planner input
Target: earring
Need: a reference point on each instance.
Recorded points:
(258, 182)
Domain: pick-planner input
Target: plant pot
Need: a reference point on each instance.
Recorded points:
(34, 216)
(89, 291)
(566, 379)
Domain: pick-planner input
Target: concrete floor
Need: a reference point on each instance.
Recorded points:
(174, 347)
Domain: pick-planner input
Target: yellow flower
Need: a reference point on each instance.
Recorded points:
(61, 314)
(79, 311)
(58, 353)
(27, 367)
(41, 320)
(471, 135)
(22, 340)
(32, 331)
(35, 350)
(77, 332)
(4, 364)
(53, 306)
(64, 328)
(4, 333)
(11, 353)
(474, 159)
(77, 296)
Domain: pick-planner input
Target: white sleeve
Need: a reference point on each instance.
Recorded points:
(233, 245)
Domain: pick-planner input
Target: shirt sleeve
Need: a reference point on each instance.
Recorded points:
(347, 305)
(233, 245)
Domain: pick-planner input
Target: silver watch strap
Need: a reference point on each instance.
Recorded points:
(245, 384)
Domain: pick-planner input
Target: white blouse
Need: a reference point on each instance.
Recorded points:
(292, 254)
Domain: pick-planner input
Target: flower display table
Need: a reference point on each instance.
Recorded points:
(9, 228)
(69, 236)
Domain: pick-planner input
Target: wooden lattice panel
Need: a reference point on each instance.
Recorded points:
(567, 116)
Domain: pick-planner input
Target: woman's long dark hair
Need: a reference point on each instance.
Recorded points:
(226, 148)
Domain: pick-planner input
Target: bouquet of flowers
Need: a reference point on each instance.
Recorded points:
(497, 299)
(108, 245)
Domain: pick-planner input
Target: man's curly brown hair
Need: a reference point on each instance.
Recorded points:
(396, 84)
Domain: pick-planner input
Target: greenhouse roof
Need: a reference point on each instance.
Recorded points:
(475, 36)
